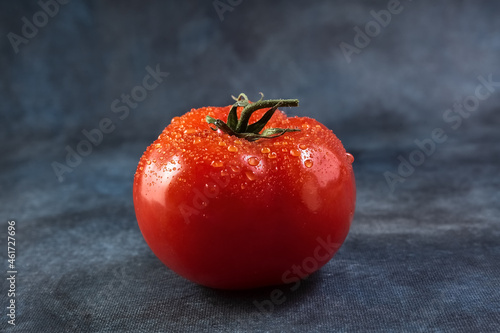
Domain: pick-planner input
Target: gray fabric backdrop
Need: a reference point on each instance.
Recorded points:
(412, 88)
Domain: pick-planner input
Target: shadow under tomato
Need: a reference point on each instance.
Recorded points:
(265, 300)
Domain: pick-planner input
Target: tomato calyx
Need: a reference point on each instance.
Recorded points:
(251, 132)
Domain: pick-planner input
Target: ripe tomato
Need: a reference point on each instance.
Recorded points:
(227, 207)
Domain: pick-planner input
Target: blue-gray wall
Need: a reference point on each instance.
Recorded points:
(394, 90)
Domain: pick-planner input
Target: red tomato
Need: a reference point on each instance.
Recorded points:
(237, 209)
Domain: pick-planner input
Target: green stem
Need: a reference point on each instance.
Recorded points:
(242, 125)
(242, 129)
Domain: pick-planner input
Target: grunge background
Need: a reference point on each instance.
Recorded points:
(422, 254)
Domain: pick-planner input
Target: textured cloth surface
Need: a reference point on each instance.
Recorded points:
(423, 251)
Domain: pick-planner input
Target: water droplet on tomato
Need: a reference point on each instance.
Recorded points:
(243, 185)
(294, 152)
(222, 143)
(217, 164)
(148, 162)
(350, 158)
(235, 168)
(238, 142)
(253, 161)
(265, 150)
(232, 149)
(308, 163)
(223, 173)
(196, 140)
(212, 188)
(250, 175)
(272, 155)
(302, 146)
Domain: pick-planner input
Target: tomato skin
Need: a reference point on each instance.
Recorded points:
(228, 213)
